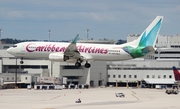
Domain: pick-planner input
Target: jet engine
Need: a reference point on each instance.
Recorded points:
(56, 57)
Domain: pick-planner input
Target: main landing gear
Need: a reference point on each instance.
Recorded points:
(87, 65)
(78, 64)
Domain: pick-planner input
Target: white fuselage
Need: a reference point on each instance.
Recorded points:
(41, 50)
(81, 52)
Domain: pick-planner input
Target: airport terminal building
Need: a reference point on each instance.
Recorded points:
(152, 70)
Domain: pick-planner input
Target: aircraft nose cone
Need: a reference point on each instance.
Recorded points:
(9, 50)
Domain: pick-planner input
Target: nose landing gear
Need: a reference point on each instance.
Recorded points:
(21, 62)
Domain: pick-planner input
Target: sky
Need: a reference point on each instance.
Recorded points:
(110, 19)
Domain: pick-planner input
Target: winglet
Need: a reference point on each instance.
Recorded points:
(75, 39)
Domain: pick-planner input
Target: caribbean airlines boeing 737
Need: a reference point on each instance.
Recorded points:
(83, 52)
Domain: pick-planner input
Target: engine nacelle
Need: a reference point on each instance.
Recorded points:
(56, 57)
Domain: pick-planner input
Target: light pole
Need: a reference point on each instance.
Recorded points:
(16, 75)
(49, 31)
(0, 34)
(87, 34)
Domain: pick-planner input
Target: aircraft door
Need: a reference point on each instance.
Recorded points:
(92, 83)
(100, 82)
(23, 48)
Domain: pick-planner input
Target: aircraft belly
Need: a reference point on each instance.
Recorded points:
(38, 55)
(112, 57)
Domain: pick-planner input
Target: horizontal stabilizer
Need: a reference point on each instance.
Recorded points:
(148, 50)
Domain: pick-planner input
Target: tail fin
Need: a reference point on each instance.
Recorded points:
(176, 74)
(145, 43)
(149, 36)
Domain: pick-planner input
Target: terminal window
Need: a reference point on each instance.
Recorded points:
(119, 76)
(135, 76)
(124, 76)
(147, 76)
(71, 67)
(153, 76)
(159, 76)
(170, 76)
(114, 76)
(108, 76)
(164, 76)
(6, 47)
(129, 76)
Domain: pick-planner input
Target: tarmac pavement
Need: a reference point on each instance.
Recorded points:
(96, 98)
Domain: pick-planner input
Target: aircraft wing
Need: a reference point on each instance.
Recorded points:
(71, 50)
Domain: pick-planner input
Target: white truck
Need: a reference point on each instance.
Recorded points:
(48, 80)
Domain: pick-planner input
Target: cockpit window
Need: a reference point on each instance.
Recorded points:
(14, 46)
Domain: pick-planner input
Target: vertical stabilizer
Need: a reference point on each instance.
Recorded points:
(145, 43)
(149, 36)
(176, 74)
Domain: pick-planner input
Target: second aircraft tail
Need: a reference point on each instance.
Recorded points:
(176, 74)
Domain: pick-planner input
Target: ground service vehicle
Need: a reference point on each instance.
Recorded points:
(119, 95)
(172, 91)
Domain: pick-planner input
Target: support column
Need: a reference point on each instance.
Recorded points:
(50, 68)
(137, 84)
(116, 83)
(88, 77)
(127, 84)
(1, 65)
(85, 78)
(16, 75)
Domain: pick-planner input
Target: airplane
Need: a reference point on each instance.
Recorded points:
(176, 73)
(79, 53)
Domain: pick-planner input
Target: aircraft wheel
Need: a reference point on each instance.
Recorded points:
(87, 65)
(78, 64)
(66, 58)
(21, 62)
